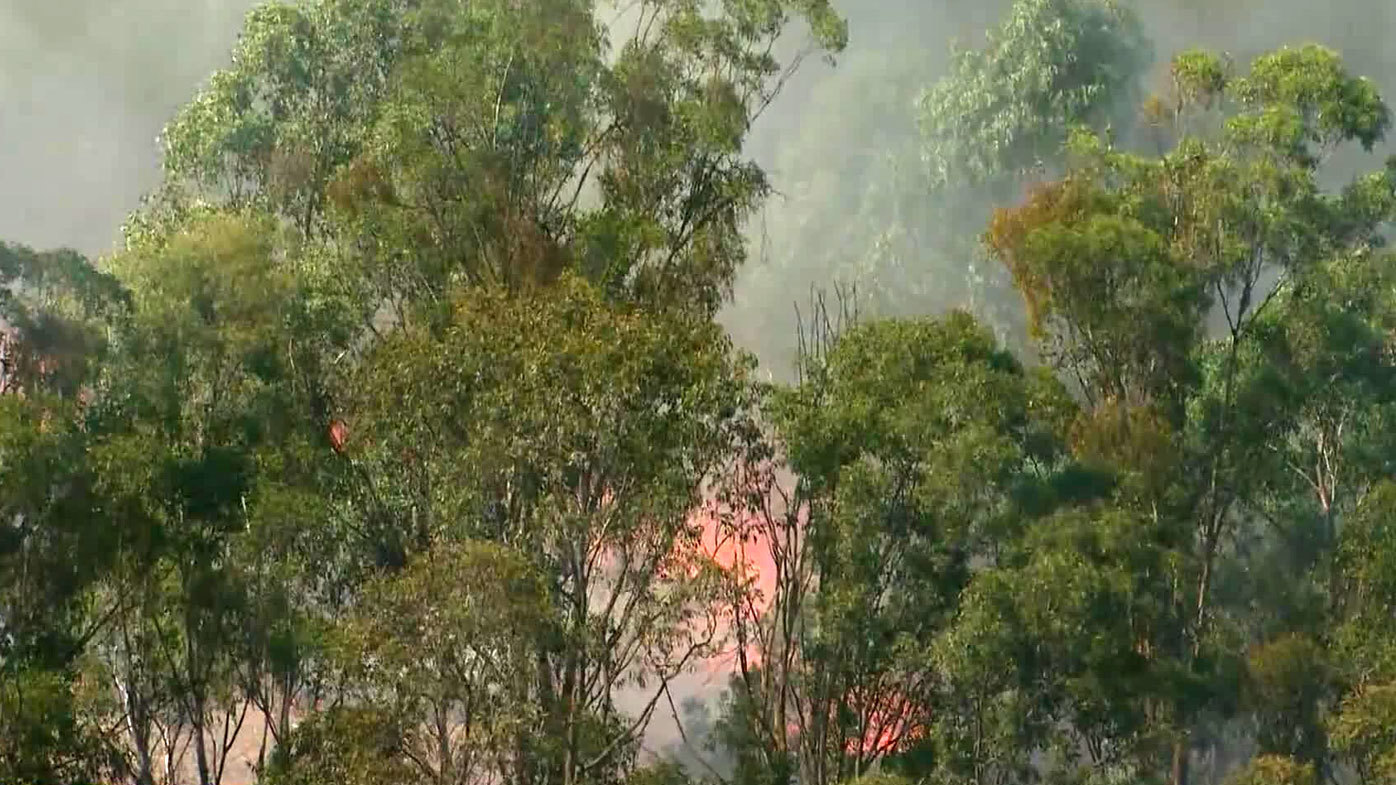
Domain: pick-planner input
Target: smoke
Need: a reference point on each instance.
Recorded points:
(842, 147)
(85, 87)
(843, 141)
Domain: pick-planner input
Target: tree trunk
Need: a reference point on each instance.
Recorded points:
(200, 753)
(137, 719)
(1179, 775)
(262, 748)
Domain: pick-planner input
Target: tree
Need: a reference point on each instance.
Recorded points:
(362, 125)
(921, 165)
(401, 432)
(446, 647)
(340, 163)
(1123, 262)
(580, 434)
(1273, 770)
(354, 746)
(54, 544)
(183, 448)
(917, 448)
(1050, 66)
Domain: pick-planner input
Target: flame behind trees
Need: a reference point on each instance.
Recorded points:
(904, 442)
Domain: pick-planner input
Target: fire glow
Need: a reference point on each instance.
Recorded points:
(746, 548)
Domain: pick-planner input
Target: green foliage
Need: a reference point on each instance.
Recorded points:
(355, 169)
(659, 774)
(1122, 264)
(1080, 631)
(1088, 267)
(43, 735)
(1295, 98)
(544, 398)
(215, 376)
(1288, 681)
(1361, 731)
(580, 433)
(915, 447)
(898, 220)
(51, 306)
(343, 745)
(55, 543)
(1275, 770)
(1363, 639)
(50, 548)
(401, 433)
(447, 644)
(1051, 65)
(445, 145)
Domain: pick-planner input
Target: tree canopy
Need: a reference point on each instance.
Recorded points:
(400, 440)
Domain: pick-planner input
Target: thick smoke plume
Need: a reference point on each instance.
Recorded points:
(85, 87)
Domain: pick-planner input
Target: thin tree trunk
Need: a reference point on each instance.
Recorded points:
(262, 748)
(1179, 775)
(136, 718)
(201, 754)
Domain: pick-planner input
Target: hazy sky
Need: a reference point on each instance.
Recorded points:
(85, 86)
(818, 140)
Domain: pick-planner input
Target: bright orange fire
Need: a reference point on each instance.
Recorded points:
(748, 560)
(892, 723)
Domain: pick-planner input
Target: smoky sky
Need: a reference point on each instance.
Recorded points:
(85, 87)
(817, 142)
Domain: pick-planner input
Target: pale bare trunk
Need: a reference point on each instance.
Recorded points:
(1179, 774)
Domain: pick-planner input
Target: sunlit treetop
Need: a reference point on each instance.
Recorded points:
(434, 143)
(1128, 241)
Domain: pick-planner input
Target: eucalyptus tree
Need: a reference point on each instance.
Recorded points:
(208, 441)
(432, 143)
(916, 451)
(434, 168)
(579, 435)
(1121, 264)
(907, 150)
(55, 542)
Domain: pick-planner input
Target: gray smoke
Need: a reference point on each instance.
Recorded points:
(826, 143)
(85, 87)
